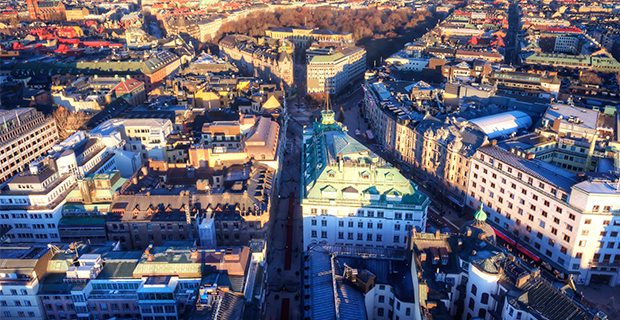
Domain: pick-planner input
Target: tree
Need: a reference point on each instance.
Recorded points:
(341, 115)
(68, 122)
(589, 77)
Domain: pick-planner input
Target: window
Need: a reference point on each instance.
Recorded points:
(539, 235)
(397, 227)
(554, 231)
(485, 298)
(350, 224)
(579, 255)
(323, 223)
(396, 239)
(341, 235)
(360, 236)
(472, 303)
(314, 233)
(582, 243)
(380, 312)
(588, 221)
(360, 224)
(474, 289)
(341, 223)
(324, 234)
(381, 299)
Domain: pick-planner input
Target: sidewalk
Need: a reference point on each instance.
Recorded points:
(603, 298)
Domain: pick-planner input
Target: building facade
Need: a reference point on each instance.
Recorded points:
(25, 135)
(351, 196)
(571, 225)
(335, 71)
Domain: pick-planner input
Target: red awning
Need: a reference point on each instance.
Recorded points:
(503, 236)
(528, 253)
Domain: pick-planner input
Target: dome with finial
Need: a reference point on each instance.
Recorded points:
(480, 217)
(478, 228)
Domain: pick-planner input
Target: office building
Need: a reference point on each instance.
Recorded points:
(567, 222)
(336, 70)
(25, 135)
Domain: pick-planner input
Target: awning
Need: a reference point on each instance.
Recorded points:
(528, 253)
(503, 236)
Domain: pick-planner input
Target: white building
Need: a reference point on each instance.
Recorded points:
(25, 135)
(406, 60)
(573, 226)
(333, 72)
(352, 196)
(145, 136)
(32, 202)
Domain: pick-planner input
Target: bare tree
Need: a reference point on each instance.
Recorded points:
(68, 122)
(589, 77)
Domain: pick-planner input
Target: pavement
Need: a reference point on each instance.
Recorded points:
(603, 298)
(281, 284)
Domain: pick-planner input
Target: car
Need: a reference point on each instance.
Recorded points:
(357, 132)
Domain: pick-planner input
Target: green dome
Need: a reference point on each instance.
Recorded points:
(480, 215)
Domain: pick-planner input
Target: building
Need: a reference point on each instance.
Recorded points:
(99, 281)
(309, 35)
(137, 221)
(25, 134)
(83, 215)
(22, 268)
(268, 58)
(468, 275)
(352, 196)
(528, 81)
(567, 223)
(441, 151)
(93, 93)
(46, 10)
(351, 282)
(145, 136)
(33, 201)
(151, 70)
(76, 14)
(335, 71)
(225, 205)
(572, 121)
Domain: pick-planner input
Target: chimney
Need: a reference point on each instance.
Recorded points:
(423, 256)
(193, 254)
(437, 234)
(150, 257)
(522, 279)
(468, 233)
(536, 273)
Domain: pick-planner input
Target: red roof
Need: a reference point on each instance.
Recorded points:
(127, 85)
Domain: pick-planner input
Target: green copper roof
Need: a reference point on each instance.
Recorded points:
(338, 169)
(480, 214)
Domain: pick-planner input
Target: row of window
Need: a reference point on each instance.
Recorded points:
(360, 236)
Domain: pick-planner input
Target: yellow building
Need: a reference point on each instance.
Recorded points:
(309, 34)
(77, 14)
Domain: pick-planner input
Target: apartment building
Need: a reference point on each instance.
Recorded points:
(269, 58)
(567, 223)
(25, 135)
(21, 271)
(352, 196)
(333, 72)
